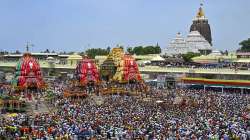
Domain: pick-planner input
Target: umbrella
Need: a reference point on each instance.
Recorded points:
(159, 101)
(12, 115)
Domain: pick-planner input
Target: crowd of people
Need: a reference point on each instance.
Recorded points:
(164, 114)
(214, 66)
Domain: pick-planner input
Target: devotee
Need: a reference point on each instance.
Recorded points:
(166, 114)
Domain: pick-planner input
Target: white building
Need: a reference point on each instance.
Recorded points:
(194, 42)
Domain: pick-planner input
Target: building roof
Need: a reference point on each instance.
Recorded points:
(13, 55)
(243, 53)
(193, 43)
(215, 52)
(34, 54)
(196, 40)
(54, 54)
(174, 59)
(214, 57)
(74, 56)
(157, 58)
(63, 55)
(178, 41)
(50, 58)
(101, 57)
(145, 57)
(243, 60)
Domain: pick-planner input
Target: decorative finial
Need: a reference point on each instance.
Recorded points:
(200, 13)
(202, 2)
(27, 47)
(178, 34)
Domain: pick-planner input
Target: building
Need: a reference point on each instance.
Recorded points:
(215, 58)
(243, 58)
(200, 24)
(58, 58)
(157, 60)
(197, 43)
(177, 46)
(74, 59)
(194, 42)
(198, 40)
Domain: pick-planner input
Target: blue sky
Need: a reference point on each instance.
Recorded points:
(74, 25)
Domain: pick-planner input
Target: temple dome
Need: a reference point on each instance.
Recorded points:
(197, 41)
(194, 42)
(177, 41)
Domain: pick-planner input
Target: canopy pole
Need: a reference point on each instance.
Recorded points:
(242, 90)
(222, 89)
(204, 88)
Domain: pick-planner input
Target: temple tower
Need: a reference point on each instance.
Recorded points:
(200, 23)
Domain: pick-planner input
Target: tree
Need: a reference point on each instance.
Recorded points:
(188, 56)
(245, 45)
(121, 47)
(130, 50)
(96, 51)
(157, 49)
(149, 50)
(138, 50)
(226, 52)
(70, 53)
(108, 49)
(82, 53)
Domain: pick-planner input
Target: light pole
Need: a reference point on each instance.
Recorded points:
(28, 45)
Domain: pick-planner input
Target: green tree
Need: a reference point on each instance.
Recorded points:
(108, 49)
(149, 50)
(70, 53)
(188, 56)
(157, 49)
(138, 50)
(245, 45)
(130, 50)
(121, 47)
(82, 53)
(96, 51)
(226, 52)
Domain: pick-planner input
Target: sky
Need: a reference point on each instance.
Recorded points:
(75, 25)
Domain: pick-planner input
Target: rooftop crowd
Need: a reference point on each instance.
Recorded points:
(164, 114)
